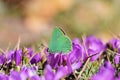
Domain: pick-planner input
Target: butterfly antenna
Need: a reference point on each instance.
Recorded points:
(62, 30)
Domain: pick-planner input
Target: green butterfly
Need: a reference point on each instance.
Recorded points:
(59, 42)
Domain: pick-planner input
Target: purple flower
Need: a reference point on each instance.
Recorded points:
(3, 76)
(2, 59)
(28, 52)
(116, 59)
(73, 66)
(49, 75)
(54, 59)
(9, 55)
(35, 59)
(57, 75)
(36, 77)
(77, 52)
(115, 44)
(28, 73)
(76, 65)
(118, 76)
(106, 72)
(17, 56)
(75, 57)
(61, 72)
(70, 60)
(24, 74)
(94, 47)
(14, 75)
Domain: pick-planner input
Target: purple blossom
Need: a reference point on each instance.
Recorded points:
(74, 66)
(29, 52)
(71, 60)
(28, 72)
(9, 55)
(49, 75)
(77, 52)
(57, 75)
(106, 72)
(61, 72)
(14, 75)
(36, 77)
(118, 76)
(115, 44)
(24, 74)
(94, 47)
(116, 59)
(3, 76)
(54, 59)
(2, 59)
(76, 56)
(60, 65)
(17, 56)
(36, 58)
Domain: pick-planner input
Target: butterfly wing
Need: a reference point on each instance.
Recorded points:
(53, 41)
(63, 44)
(59, 42)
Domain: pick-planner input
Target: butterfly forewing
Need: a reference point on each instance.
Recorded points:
(55, 35)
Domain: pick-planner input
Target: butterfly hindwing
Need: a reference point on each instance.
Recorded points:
(64, 44)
